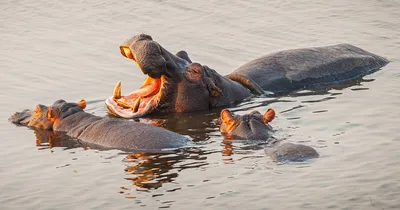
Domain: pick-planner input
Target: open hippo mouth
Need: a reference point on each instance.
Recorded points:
(140, 102)
(155, 93)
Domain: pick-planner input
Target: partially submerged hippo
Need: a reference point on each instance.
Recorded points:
(309, 67)
(175, 84)
(255, 126)
(101, 132)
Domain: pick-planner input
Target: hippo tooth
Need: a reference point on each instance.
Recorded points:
(135, 107)
(117, 91)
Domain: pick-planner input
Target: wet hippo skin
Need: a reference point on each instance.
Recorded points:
(103, 132)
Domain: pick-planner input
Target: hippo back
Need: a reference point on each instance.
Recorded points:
(303, 68)
(131, 136)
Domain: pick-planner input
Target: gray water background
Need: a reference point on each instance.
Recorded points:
(69, 49)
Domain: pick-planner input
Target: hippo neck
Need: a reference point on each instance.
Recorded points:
(174, 62)
(74, 124)
(223, 90)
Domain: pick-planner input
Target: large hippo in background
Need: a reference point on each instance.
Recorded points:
(309, 67)
(255, 126)
(175, 84)
(101, 132)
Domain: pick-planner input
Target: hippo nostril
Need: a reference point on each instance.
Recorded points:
(125, 51)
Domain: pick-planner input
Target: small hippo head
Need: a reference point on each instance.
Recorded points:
(36, 118)
(253, 126)
(44, 117)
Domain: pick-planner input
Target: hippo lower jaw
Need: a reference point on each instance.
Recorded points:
(140, 102)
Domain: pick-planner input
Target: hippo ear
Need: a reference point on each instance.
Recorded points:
(81, 104)
(50, 113)
(194, 72)
(226, 116)
(269, 116)
(38, 108)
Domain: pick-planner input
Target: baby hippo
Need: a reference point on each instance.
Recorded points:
(102, 132)
(255, 126)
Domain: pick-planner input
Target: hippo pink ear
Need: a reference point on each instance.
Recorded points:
(226, 116)
(82, 104)
(269, 116)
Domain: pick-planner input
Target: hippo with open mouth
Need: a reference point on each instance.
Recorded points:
(103, 132)
(175, 84)
(255, 126)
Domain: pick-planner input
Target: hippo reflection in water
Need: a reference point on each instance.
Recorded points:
(175, 84)
(255, 126)
(101, 132)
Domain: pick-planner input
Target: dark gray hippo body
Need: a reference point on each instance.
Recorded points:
(309, 67)
(255, 126)
(102, 132)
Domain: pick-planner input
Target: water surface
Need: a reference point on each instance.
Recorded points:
(69, 50)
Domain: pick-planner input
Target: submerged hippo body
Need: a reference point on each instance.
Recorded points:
(255, 126)
(100, 131)
(175, 84)
(309, 67)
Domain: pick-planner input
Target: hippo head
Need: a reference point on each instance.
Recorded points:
(173, 82)
(44, 117)
(253, 126)
(36, 118)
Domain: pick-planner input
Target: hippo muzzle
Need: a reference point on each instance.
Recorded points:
(36, 118)
(22, 118)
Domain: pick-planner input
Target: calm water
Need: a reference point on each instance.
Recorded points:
(55, 49)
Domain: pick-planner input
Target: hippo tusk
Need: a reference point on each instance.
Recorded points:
(117, 91)
(122, 104)
(135, 107)
(116, 110)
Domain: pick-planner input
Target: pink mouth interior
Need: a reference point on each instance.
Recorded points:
(150, 88)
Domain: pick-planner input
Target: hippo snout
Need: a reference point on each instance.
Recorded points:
(22, 117)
